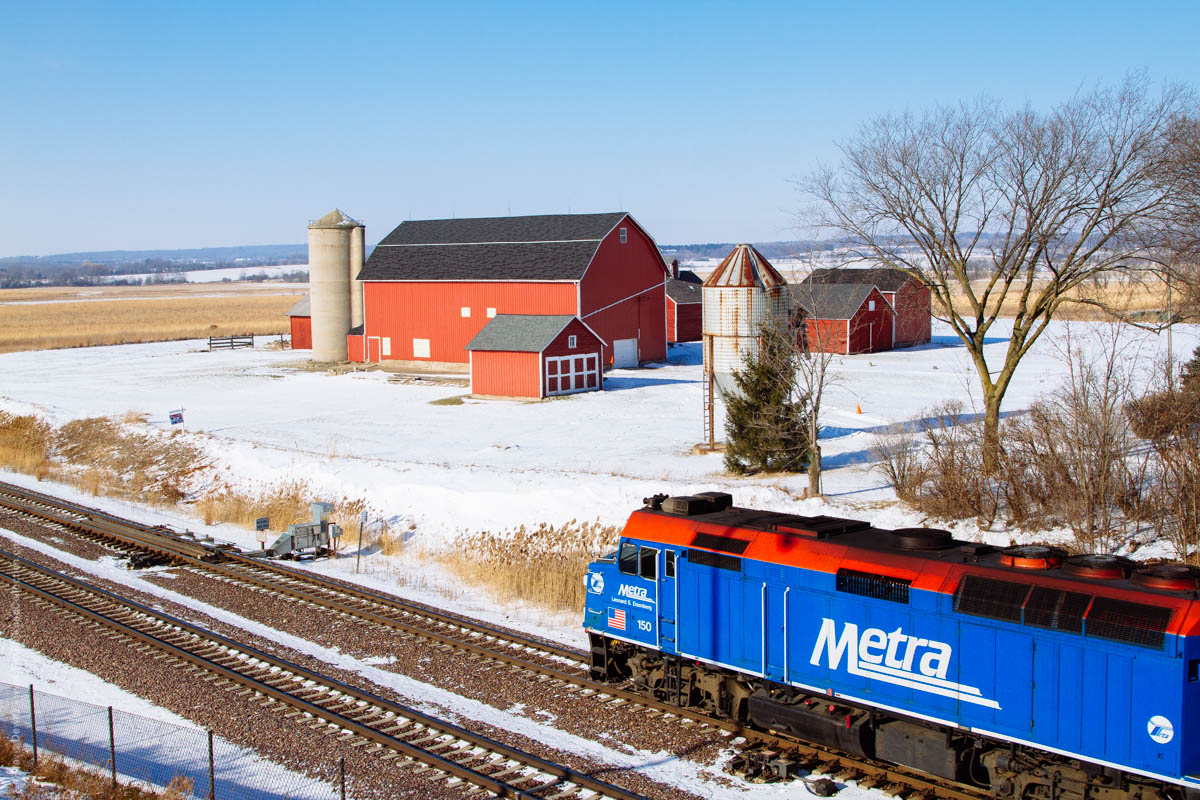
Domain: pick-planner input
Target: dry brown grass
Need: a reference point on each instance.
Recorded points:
(543, 565)
(48, 325)
(60, 780)
(104, 456)
(26, 444)
(1124, 297)
(286, 503)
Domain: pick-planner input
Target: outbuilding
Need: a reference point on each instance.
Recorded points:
(684, 308)
(430, 286)
(536, 356)
(845, 318)
(300, 316)
(909, 298)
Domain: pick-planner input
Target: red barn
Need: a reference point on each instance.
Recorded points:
(684, 306)
(910, 299)
(301, 323)
(431, 285)
(535, 355)
(851, 318)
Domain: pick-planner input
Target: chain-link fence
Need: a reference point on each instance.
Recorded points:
(133, 747)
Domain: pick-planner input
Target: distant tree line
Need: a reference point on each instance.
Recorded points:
(17, 273)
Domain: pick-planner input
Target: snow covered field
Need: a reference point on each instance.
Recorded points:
(217, 275)
(494, 465)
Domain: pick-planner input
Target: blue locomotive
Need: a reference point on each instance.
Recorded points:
(1016, 669)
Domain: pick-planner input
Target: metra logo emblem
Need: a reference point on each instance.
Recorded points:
(893, 657)
(595, 583)
(632, 592)
(1160, 729)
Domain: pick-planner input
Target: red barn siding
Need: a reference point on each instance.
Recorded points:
(586, 343)
(432, 310)
(683, 321)
(301, 333)
(826, 335)
(354, 347)
(506, 374)
(913, 314)
(871, 331)
(627, 282)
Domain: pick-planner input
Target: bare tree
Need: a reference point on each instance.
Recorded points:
(815, 349)
(1045, 200)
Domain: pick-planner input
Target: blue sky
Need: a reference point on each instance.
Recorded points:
(160, 125)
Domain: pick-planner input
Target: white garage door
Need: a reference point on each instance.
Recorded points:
(570, 374)
(625, 353)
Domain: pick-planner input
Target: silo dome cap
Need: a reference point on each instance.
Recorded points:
(336, 219)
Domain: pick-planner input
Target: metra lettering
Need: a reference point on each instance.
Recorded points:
(634, 592)
(893, 657)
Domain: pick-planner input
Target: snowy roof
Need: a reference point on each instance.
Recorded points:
(885, 278)
(335, 219)
(546, 247)
(682, 291)
(832, 301)
(301, 309)
(522, 333)
(743, 268)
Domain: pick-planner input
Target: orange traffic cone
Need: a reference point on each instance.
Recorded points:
(857, 408)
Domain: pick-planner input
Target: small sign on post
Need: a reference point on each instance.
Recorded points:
(262, 526)
(177, 417)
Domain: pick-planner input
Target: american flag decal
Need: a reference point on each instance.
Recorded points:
(616, 618)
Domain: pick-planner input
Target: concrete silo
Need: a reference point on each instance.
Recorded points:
(739, 295)
(331, 273)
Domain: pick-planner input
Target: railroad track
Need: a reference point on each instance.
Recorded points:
(359, 718)
(765, 753)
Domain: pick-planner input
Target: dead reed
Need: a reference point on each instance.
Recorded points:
(543, 566)
(285, 503)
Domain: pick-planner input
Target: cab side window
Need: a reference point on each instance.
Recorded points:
(649, 563)
(669, 565)
(627, 562)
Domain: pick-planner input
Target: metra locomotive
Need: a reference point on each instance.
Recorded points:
(1016, 669)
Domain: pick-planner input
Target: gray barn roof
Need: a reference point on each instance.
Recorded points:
(831, 301)
(682, 291)
(885, 278)
(522, 333)
(550, 247)
(301, 309)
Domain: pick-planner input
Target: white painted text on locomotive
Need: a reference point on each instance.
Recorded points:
(633, 592)
(894, 657)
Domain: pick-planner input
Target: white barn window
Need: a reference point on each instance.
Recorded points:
(870, 306)
(491, 312)
(386, 345)
(466, 311)
(571, 342)
(420, 348)
(624, 235)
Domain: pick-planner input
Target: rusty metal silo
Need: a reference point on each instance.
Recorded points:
(739, 295)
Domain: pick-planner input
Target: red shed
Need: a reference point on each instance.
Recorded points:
(536, 355)
(684, 306)
(849, 318)
(910, 299)
(301, 323)
(431, 285)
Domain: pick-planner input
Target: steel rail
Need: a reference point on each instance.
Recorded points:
(190, 550)
(243, 654)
